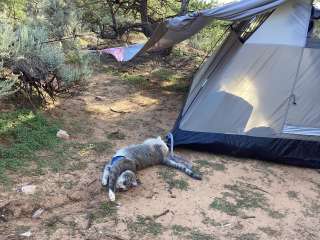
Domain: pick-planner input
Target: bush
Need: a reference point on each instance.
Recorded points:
(7, 82)
(7, 38)
(42, 49)
(209, 36)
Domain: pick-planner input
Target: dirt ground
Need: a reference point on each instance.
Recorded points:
(239, 199)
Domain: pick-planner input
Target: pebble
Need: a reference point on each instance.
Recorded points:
(99, 98)
(26, 234)
(37, 213)
(63, 134)
(28, 189)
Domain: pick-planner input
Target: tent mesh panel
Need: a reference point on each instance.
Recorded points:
(245, 29)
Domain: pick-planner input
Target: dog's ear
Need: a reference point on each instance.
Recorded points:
(159, 138)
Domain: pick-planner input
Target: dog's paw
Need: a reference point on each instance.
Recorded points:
(112, 196)
(104, 181)
(105, 175)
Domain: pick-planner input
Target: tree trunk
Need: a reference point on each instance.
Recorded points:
(184, 7)
(146, 25)
(114, 20)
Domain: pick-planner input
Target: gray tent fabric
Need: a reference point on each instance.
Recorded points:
(258, 75)
(258, 95)
(245, 69)
(264, 73)
(177, 29)
(287, 26)
(272, 81)
(305, 113)
(215, 61)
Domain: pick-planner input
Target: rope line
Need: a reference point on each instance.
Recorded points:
(170, 136)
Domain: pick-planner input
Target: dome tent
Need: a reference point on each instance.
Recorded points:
(258, 94)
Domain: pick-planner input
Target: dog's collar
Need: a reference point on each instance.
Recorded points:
(116, 159)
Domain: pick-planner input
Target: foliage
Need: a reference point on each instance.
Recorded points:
(112, 18)
(45, 33)
(208, 167)
(117, 135)
(7, 87)
(137, 80)
(108, 208)
(169, 176)
(210, 37)
(7, 82)
(7, 38)
(188, 233)
(39, 50)
(145, 226)
(26, 132)
(61, 19)
(28, 145)
(14, 9)
(243, 197)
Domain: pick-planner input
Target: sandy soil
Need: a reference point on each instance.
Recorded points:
(237, 199)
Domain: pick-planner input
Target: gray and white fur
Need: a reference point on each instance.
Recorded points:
(153, 151)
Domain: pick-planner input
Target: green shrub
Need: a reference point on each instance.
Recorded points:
(7, 38)
(209, 37)
(25, 133)
(7, 82)
(40, 49)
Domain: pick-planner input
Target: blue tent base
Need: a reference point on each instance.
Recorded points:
(286, 151)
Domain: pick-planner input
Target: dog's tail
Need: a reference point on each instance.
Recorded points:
(181, 164)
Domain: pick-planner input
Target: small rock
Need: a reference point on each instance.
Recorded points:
(26, 234)
(63, 134)
(152, 195)
(172, 196)
(75, 196)
(28, 189)
(99, 98)
(37, 213)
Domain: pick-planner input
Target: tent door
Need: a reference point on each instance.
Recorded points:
(303, 116)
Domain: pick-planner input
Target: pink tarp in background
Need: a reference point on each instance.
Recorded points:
(122, 54)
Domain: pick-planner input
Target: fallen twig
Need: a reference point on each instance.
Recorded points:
(161, 214)
(247, 217)
(114, 236)
(116, 111)
(91, 182)
(226, 225)
(257, 188)
(90, 220)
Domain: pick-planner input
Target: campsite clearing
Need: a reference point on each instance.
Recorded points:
(238, 199)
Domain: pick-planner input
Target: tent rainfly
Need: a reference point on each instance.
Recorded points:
(258, 94)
